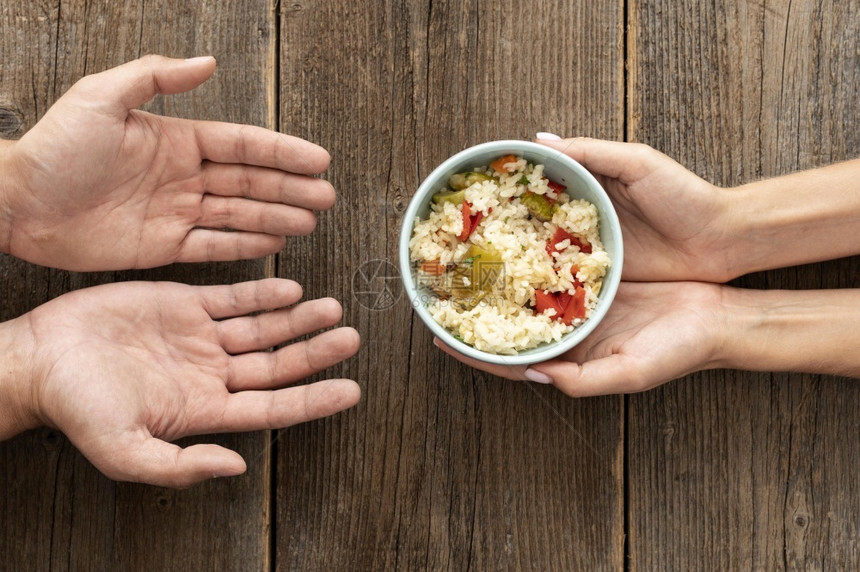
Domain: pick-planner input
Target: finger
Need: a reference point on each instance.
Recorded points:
(207, 245)
(257, 410)
(157, 462)
(265, 370)
(255, 333)
(255, 216)
(509, 371)
(627, 162)
(230, 300)
(270, 185)
(250, 145)
(614, 374)
(134, 83)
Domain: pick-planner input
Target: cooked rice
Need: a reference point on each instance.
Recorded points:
(506, 322)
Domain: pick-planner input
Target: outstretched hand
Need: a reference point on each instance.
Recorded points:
(97, 184)
(653, 333)
(123, 369)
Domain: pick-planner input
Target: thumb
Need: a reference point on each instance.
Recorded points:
(134, 83)
(603, 376)
(157, 462)
(627, 162)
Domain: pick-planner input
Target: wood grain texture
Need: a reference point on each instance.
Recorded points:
(439, 467)
(57, 512)
(735, 470)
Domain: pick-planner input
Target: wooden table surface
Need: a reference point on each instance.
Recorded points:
(441, 467)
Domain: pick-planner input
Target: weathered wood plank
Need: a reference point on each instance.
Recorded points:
(57, 512)
(440, 467)
(744, 470)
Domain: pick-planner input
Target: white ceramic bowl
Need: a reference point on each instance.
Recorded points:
(558, 167)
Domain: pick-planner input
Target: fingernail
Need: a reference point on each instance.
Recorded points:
(537, 377)
(548, 136)
(437, 343)
(198, 59)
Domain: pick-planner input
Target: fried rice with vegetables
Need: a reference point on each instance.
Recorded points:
(511, 260)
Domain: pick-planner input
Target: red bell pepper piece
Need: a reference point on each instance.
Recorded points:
(563, 300)
(499, 164)
(583, 245)
(470, 223)
(545, 300)
(433, 267)
(557, 187)
(568, 307)
(560, 236)
(576, 307)
(476, 220)
(466, 209)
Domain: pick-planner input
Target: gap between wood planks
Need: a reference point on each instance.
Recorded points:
(273, 262)
(626, 557)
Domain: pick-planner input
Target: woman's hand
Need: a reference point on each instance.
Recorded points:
(97, 184)
(659, 331)
(653, 333)
(123, 369)
(675, 225)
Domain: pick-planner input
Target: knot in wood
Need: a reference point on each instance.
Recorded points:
(801, 521)
(400, 200)
(11, 122)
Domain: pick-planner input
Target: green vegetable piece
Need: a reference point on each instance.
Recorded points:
(460, 181)
(538, 205)
(483, 270)
(476, 252)
(523, 180)
(455, 197)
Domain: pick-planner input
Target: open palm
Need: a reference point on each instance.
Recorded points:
(100, 185)
(654, 332)
(122, 369)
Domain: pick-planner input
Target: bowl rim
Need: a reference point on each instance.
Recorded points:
(542, 352)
